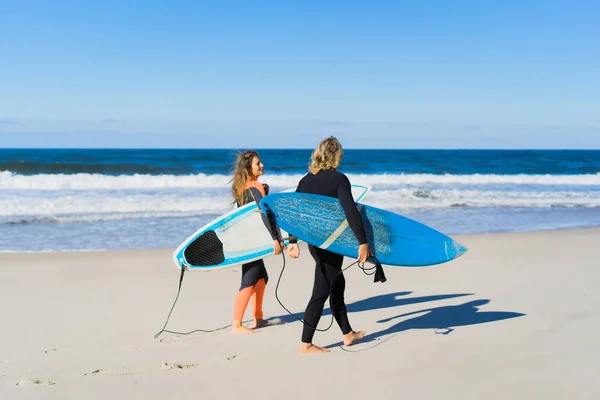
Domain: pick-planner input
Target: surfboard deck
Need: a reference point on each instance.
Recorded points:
(394, 239)
(235, 238)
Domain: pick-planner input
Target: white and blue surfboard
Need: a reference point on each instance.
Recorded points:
(394, 239)
(235, 238)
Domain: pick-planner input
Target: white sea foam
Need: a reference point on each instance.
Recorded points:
(89, 207)
(9, 180)
(440, 198)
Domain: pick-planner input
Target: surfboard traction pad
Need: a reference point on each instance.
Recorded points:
(206, 249)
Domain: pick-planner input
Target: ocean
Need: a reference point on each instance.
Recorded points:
(93, 199)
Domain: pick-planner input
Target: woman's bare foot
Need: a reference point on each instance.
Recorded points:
(239, 328)
(259, 323)
(352, 337)
(309, 348)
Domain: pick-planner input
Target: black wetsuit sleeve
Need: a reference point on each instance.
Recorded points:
(344, 193)
(294, 239)
(269, 219)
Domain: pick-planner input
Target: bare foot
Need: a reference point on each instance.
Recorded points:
(259, 323)
(352, 337)
(239, 328)
(309, 348)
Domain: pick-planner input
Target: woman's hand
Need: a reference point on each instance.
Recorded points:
(278, 246)
(294, 250)
(364, 252)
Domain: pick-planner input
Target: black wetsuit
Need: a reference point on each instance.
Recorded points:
(255, 270)
(329, 265)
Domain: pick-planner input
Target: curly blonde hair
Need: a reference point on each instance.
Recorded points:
(327, 155)
(242, 171)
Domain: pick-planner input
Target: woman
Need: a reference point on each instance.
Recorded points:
(246, 188)
(324, 179)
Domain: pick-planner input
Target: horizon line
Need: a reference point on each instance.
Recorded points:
(303, 148)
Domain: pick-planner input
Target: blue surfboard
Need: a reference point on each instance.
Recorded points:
(234, 238)
(394, 239)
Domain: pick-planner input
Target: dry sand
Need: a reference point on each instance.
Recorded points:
(517, 317)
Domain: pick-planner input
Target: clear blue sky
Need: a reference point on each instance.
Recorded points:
(415, 74)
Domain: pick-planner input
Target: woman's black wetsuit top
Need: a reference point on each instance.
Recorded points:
(334, 184)
(255, 270)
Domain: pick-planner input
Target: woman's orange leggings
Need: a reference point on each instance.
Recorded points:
(243, 296)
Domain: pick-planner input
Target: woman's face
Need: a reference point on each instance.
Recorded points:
(257, 167)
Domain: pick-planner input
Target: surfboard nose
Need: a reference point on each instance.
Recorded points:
(455, 249)
(460, 249)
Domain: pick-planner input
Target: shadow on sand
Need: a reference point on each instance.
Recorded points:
(377, 302)
(442, 319)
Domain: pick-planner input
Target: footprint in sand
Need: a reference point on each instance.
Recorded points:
(53, 350)
(245, 355)
(35, 382)
(99, 371)
(170, 366)
(108, 371)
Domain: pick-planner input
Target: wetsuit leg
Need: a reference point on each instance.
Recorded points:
(327, 272)
(253, 276)
(241, 302)
(257, 299)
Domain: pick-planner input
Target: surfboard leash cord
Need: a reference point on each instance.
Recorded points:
(379, 277)
(183, 268)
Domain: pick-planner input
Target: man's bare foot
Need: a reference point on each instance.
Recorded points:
(352, 337)
(309, 348)
(239, 328)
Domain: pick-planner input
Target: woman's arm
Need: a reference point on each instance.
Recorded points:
(344, 193)
(269, 218)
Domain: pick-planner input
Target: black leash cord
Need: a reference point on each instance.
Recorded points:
(375, 267)
(169, 316)
(362, 267)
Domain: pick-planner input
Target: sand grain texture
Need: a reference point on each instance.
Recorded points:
(516, 317)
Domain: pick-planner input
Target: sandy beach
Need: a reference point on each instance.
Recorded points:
(516, 317)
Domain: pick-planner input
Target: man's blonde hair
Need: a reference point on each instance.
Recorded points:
(327, 155)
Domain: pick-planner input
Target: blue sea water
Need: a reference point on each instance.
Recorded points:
(83, 199)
